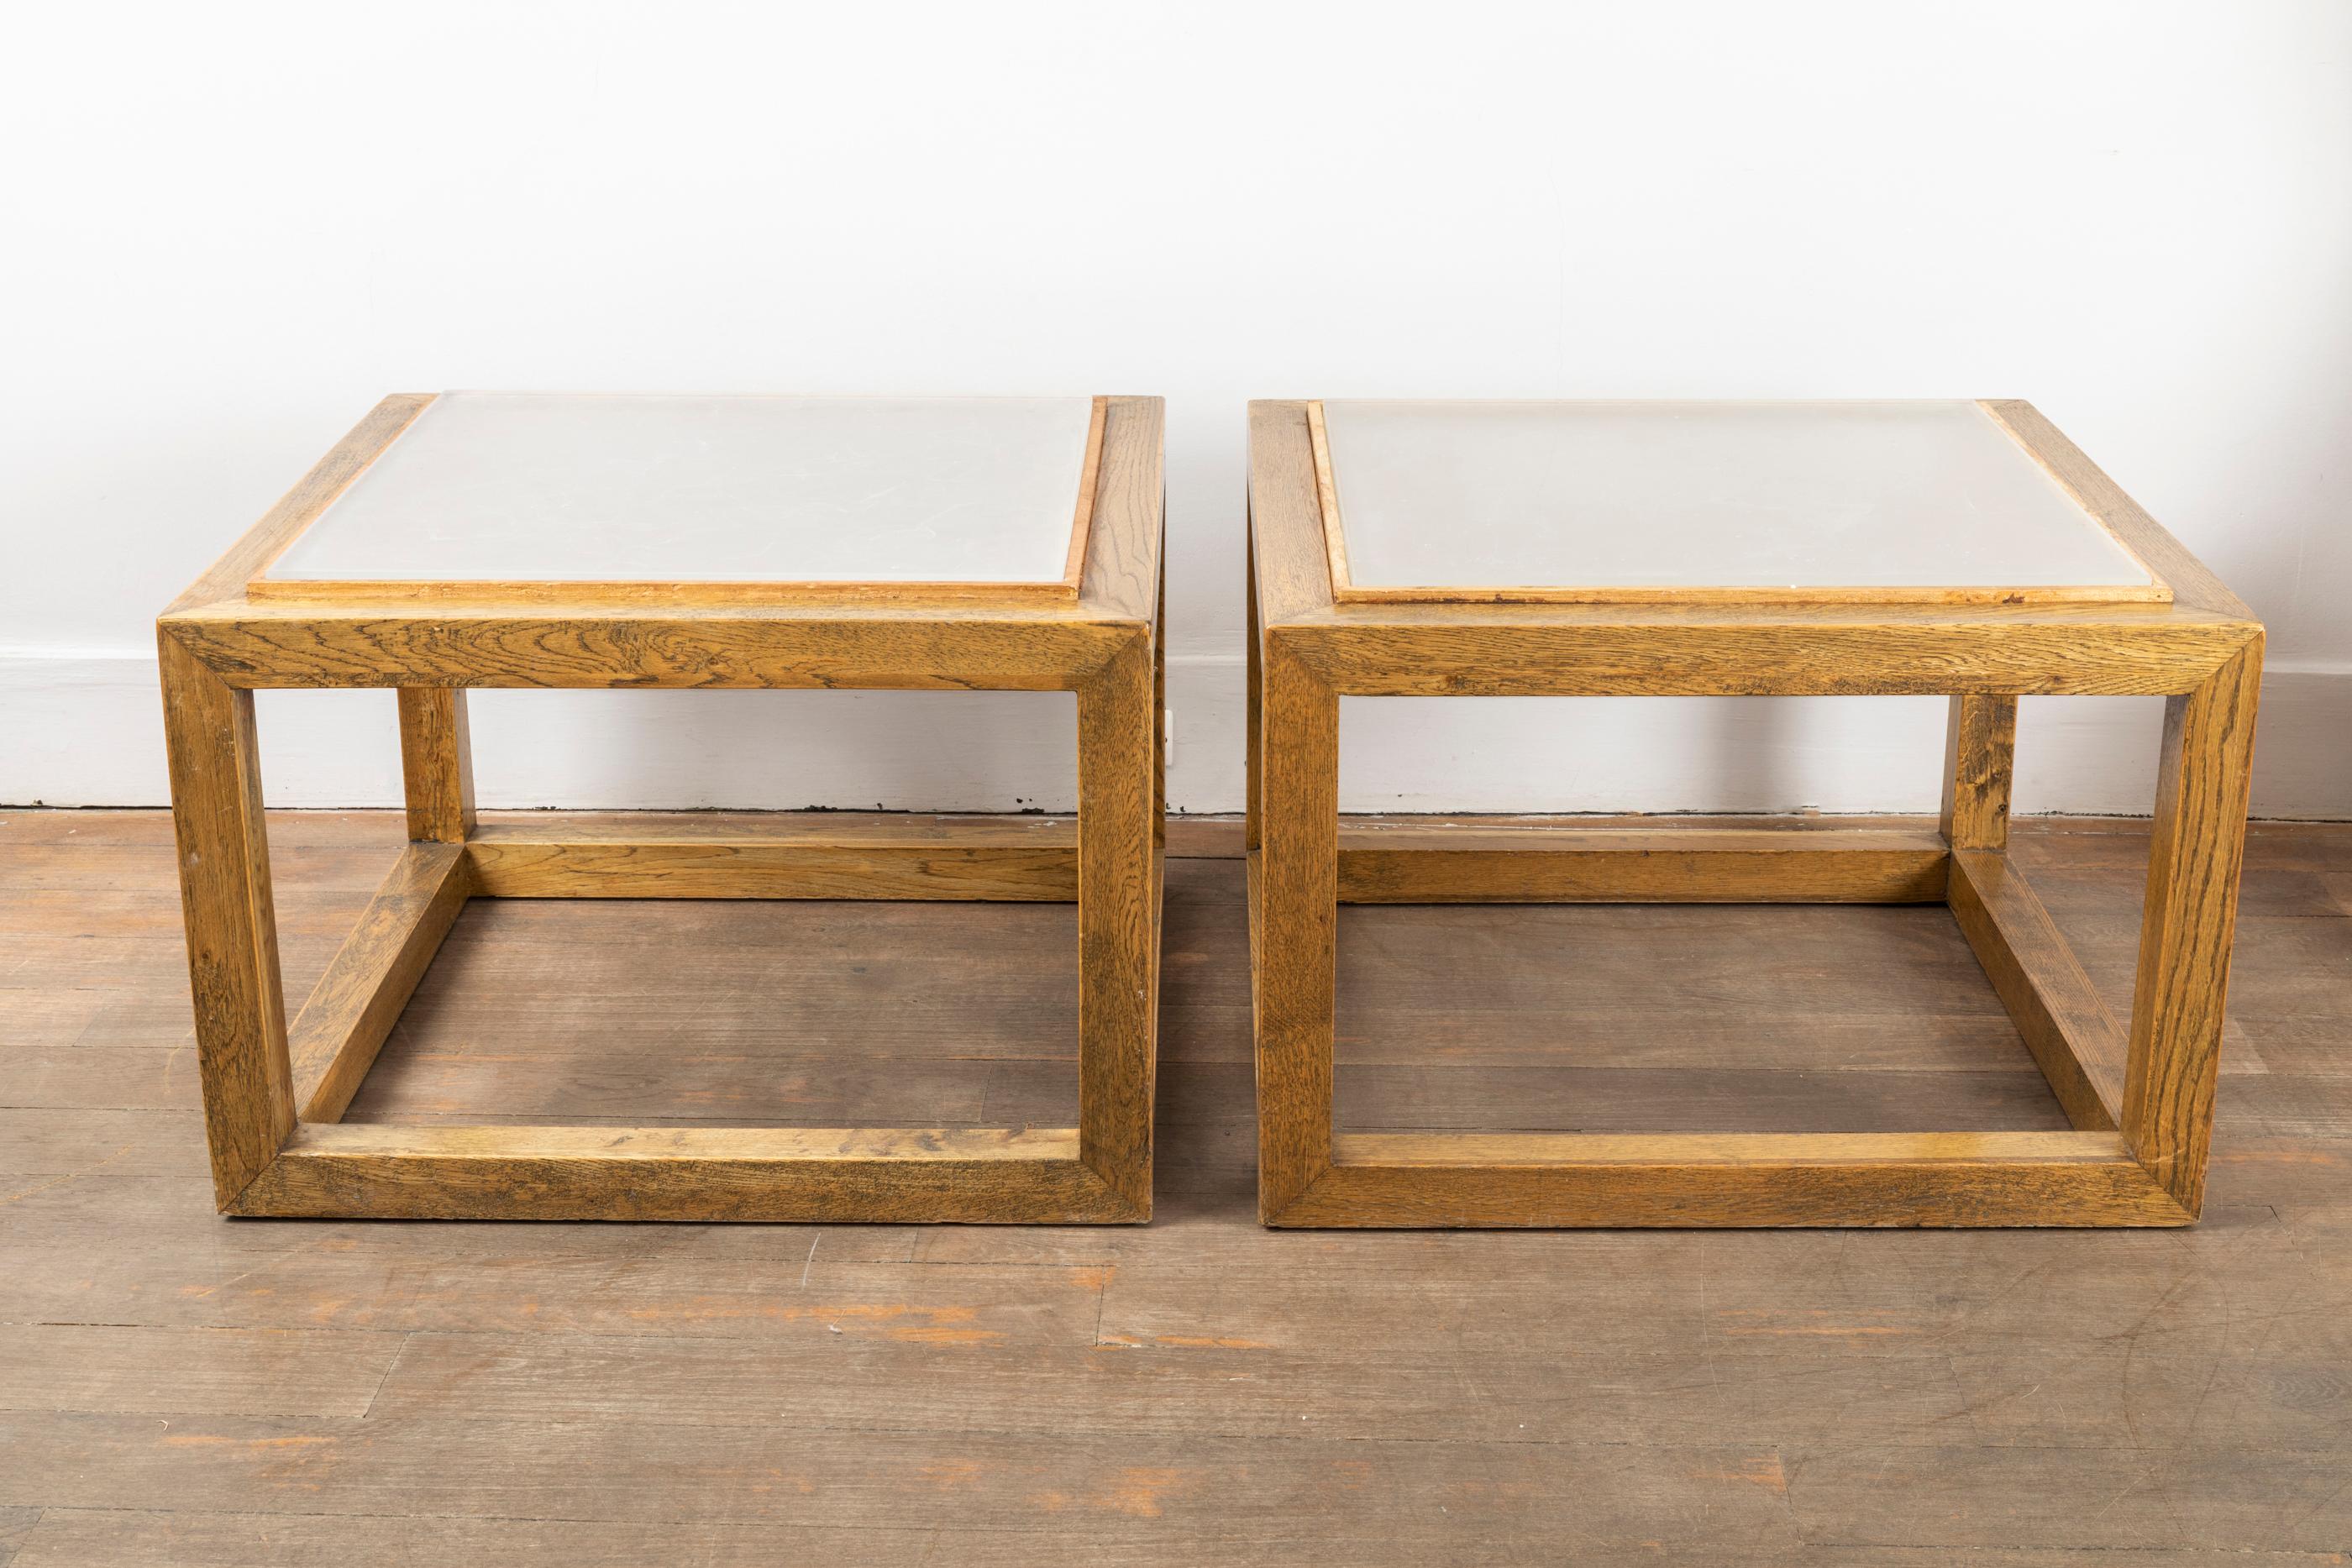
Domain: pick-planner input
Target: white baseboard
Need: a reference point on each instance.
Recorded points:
(84, 729)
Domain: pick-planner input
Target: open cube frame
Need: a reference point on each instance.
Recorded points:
(2140, 1096)
(274, 1092)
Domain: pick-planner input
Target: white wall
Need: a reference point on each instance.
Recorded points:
(228, 229)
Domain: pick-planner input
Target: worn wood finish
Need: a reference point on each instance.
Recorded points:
(223, 856)
(1122, 580)
(1309, 635)
(436, 764)
(1296, 900)
(1118, 930)
(1980, 754)
(1746, 1179)
(696, 1174)
(1097, 635)
(1630, 651)
(2073, 1037)
(833, 855)
(863, 641)
(1678, 863)
(1291, 578)
(2188, 922)
(592, 647)
(335, 1039)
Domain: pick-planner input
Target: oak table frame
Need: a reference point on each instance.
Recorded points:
(274, 1092)
(2140, 1097)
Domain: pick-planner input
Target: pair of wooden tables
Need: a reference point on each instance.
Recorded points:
(1951, 549)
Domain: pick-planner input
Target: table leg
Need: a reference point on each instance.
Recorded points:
(2188, 923)
(224, 849)
(436, 764)
(1298, 927)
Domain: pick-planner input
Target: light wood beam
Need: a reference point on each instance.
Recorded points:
(2075, 1038)
(335, 1040)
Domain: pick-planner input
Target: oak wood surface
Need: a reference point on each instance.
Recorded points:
(1017, 859)
(896, 1175)
(1728, 649)
(1669, 863)
(436, 764)
(1295, 899)
(224, 890)
(223, 638)
(2188, 922)
(878, 640)
(1118, 922)
(2063, 1022)
(335, 1038)
(183, 1391)
(2202, 652)
(1979, 756)
(1788, 1179)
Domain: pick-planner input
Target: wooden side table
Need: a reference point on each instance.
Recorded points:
(1963, 549)
(478, 539)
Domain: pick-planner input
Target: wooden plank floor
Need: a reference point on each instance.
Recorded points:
(175, 1388)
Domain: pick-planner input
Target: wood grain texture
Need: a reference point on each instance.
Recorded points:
(1463, 863)
(2193, 583)
(1979, 756)
(335, 1039)
(436, 764)
(831, 855)
(1292, 576)
(1786, 1179)
(2188, 922)
(431, 640)
(1693, 649)
(1632, 651)
(232, 928)
(1122, 580)
(691, 1174)
(1295, 935)
(588, 647)
(1118, 922)
(2074, 1038)
(2195, 651)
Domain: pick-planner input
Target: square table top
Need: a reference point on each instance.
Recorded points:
(493, 489)
(1599, 502)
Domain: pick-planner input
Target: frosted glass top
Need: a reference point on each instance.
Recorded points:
(1699, 494)
(580, 487)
